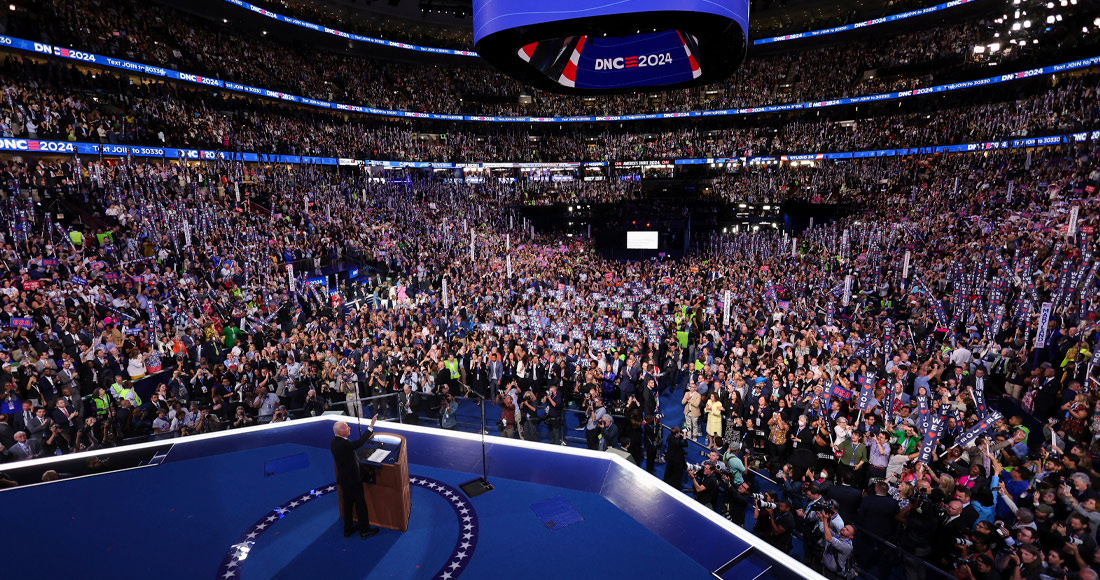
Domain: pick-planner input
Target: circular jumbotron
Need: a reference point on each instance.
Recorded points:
(604, 46)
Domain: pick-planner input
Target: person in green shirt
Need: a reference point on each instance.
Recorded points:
(231, 335)
(906, 439)
(854, 455)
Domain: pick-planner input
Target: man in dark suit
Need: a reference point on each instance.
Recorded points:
(350, 480)
(877, 515)
(847, 497)
(651, 408)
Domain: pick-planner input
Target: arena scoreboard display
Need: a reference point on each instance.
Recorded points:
(593, 47)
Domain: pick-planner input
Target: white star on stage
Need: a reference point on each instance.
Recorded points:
(455, 565)
(432, 485)
(414, 481)
(467, 536)
(293, 504)
(281, 511)
(330, 488)
(448, 494)
(252, 535)
(468, 526)
(306, 498)
(272, 518)
(446, 576)
(261, 526)
(465, 545)
(464, 511)
(228, 574)
(231, 564)
(467, 518)
(460, 555)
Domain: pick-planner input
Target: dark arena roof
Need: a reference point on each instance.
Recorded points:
(834, 314)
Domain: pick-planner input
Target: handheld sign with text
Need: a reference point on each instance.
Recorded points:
(978, 429)
(840, 392)
(866, 392)
(22, 323)
(931, 438)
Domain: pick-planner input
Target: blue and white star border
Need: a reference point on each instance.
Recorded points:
(469, 529)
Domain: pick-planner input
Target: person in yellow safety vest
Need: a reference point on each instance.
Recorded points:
(76, 238)
(102, 402)
(125, 390)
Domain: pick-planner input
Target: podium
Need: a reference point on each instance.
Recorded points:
(385, 484)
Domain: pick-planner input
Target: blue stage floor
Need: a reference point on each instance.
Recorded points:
(186, 519)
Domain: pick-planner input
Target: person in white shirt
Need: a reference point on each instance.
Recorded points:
(962, 356)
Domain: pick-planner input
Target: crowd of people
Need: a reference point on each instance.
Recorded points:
(53, 100)
(161, 36)
(843, 364)
(917, 374)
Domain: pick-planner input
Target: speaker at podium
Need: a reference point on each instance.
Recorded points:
(384, 465)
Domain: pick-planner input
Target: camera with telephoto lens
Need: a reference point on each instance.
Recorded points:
(767, 505)
(761, 501)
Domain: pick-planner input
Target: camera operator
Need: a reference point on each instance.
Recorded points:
(774, 519)
(447, 409)
(739, 498)
(838, 550)
(922, 519)
(553, 401)
(706, 491)
(675, 463)
(594, 411)
(813, 528)
(529, 417)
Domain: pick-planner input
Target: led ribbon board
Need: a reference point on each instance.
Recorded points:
(594, 47)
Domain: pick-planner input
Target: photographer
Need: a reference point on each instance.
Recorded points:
(738, 499)
(813, 525)
(529, 417)
(241, 419)
(675, 463)
(838, 550)
(447, 409)
(208, 422)
(774, 522)
(706, 491)
(553, 401)
(594, 411)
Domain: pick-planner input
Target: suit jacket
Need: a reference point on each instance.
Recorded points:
(876, 515)
(411, 400)
(7, 435)
(347, 464)
(496, 370)
(19, 423)
(847, 498)
(17, 453)
(36, 429)
(649, 402)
